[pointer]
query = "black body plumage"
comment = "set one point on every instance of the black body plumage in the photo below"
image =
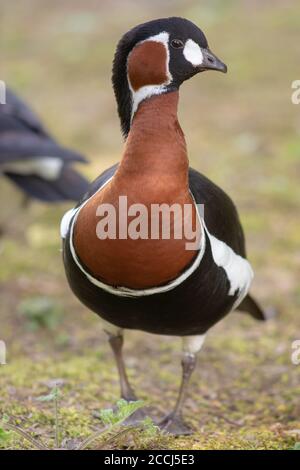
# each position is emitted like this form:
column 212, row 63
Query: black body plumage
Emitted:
column 190, row 308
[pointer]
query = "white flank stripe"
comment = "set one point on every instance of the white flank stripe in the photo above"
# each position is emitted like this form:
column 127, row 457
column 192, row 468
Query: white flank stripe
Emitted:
column 238, row 269
column 65, row 222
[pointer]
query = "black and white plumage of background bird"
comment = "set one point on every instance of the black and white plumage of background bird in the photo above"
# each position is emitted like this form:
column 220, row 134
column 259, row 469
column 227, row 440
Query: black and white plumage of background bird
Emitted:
column 33, row 160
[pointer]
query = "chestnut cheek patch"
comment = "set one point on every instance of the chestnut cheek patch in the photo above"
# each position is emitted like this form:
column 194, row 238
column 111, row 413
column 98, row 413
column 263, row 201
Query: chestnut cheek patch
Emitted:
column 147, row 65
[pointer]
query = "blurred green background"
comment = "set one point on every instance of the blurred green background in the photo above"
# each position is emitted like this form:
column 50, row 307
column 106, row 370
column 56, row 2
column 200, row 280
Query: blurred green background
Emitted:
column 243, row 132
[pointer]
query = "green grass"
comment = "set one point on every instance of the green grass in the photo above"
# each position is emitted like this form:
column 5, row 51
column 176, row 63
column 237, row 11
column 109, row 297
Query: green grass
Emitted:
column 243, row 132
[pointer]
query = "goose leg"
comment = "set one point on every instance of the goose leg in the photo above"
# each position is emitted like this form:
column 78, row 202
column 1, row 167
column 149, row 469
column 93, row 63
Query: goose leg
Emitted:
column 116, row 343
column 174, row 422
column 127, row 393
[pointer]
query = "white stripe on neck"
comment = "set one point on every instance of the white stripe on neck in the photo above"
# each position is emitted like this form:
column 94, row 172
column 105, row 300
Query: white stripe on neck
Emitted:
column 143, row 93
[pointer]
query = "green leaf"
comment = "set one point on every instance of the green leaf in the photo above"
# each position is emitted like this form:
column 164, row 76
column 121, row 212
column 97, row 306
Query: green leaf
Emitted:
column 107, row 416
column 297, row 446
column 112, row 417
column 149, row 427
column 4, row 435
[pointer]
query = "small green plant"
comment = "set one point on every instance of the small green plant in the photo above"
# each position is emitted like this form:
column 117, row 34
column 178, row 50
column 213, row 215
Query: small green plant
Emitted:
column 151, row 437
column 54, row 396
column 297, row 446
column 40, row 312
column 124, row 409
column 4, row 435
column 112, row 420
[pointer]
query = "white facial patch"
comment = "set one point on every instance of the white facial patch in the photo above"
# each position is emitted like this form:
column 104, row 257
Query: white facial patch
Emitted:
column 192, row 52
column 149, row 90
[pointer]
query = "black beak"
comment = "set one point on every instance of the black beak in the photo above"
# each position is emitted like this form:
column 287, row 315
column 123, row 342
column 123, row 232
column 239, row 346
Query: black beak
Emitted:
column 211, row 62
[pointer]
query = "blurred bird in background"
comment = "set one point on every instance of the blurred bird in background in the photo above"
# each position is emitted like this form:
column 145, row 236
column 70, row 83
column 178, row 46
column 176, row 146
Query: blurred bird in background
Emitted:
column 32, row 159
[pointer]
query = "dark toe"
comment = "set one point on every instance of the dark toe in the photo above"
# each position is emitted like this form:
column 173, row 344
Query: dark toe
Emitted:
column 175, row 425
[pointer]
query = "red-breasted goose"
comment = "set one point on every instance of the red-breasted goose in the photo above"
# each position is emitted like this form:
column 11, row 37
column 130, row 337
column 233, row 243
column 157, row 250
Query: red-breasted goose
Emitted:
column 32, row 159
column 156, row 284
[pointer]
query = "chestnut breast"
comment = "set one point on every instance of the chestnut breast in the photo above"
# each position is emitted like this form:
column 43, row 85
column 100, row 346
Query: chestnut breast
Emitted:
column 153, row 170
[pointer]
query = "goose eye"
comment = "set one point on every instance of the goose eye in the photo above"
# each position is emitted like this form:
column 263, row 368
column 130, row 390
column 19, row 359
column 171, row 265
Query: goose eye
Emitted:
column 177, row 44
